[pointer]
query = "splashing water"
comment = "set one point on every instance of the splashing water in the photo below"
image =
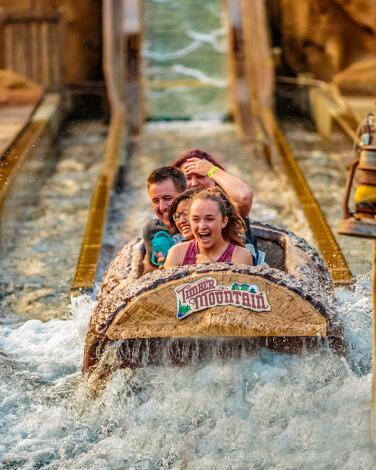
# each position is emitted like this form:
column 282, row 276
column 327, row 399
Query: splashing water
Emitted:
column 185, row 62
column 267, row 411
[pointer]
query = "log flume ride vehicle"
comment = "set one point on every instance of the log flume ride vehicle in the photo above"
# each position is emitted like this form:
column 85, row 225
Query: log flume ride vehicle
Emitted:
column 213, row 310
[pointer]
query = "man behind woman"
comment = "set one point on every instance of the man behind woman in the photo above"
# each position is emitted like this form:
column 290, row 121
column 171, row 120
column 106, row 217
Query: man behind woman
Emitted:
column 164, row 185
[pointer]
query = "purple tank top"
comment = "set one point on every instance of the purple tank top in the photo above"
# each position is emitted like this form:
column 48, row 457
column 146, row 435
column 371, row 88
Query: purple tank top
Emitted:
column 192, row 252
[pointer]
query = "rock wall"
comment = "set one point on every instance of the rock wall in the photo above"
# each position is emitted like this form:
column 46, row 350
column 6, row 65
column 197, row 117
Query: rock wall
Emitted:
column 327, row 37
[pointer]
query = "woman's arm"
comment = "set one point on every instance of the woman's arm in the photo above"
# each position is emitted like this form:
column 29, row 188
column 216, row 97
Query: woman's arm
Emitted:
column 242, row 256
column 236, row 189
column 175, row 256
column 147, row 266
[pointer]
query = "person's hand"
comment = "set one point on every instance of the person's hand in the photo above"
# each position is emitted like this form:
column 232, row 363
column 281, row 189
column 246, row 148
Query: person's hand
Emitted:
column 147, row 266
column 202, row 259
column 160, row 257
column 197, row 166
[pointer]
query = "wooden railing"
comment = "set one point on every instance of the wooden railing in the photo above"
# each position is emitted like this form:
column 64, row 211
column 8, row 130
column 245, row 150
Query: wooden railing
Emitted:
column 133, row 85
column 31, row 44
column 251, row 69
column 116, row 59
column 253, row 92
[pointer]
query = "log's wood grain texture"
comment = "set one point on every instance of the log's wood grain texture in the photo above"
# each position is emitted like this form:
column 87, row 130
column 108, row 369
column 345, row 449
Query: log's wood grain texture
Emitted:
column 302, row 271
column 153, row 314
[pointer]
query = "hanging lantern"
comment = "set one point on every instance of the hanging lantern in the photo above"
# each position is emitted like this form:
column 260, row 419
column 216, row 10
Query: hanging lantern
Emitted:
column 361, row 222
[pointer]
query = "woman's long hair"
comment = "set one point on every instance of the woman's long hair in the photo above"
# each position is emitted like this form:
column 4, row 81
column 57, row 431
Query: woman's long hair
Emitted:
column 234, row 231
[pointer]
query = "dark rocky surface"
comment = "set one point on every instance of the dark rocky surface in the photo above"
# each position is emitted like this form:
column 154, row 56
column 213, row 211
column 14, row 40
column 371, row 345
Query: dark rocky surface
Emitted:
column 327, row 37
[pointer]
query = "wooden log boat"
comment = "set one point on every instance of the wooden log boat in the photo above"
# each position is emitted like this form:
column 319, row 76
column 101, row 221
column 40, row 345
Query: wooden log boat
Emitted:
column 215, row 309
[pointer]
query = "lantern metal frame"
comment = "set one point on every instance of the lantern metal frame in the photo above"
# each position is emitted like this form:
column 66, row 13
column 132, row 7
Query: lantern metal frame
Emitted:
column 360, row 222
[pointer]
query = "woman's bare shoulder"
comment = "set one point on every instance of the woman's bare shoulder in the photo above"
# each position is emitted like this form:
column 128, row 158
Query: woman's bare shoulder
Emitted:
column 242, row 256
column 180, row 247
column 176, row 255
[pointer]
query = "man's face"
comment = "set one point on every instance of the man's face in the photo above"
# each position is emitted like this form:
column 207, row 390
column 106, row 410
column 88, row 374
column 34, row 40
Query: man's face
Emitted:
column 161, row 196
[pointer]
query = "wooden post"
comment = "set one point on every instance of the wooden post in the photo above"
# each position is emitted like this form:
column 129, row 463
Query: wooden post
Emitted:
column 133, row 73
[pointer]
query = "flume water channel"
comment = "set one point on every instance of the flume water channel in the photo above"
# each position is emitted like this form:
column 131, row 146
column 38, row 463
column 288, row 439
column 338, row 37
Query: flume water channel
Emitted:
column 268, row 411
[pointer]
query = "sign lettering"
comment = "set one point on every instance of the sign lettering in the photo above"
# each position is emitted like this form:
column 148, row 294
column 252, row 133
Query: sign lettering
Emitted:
column 205, row 293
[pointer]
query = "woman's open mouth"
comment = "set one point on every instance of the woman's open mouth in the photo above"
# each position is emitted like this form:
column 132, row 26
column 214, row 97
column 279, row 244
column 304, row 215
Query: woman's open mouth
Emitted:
column 204, row 236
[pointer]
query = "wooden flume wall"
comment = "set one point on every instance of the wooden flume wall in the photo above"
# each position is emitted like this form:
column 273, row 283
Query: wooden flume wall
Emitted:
column 251, row 68
column 253, row 91
column 31, row 44
column 114, row 64
column 80, row 47
column 121, row 53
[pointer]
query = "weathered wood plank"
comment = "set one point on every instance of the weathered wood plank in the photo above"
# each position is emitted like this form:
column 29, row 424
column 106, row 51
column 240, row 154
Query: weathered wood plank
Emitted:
column 18, row 100
column 153, row 314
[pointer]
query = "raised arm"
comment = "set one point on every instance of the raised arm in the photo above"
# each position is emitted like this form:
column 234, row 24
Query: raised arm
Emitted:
column 236, row 189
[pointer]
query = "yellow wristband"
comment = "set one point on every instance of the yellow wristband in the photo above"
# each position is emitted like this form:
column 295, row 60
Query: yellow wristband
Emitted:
column 212, row 170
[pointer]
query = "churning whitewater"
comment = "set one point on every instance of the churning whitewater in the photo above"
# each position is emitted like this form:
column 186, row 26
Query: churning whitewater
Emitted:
column 268, row 411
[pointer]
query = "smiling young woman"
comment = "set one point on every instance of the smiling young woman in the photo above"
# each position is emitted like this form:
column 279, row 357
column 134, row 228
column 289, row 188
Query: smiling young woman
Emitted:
column 218, row 232
column 179, row 215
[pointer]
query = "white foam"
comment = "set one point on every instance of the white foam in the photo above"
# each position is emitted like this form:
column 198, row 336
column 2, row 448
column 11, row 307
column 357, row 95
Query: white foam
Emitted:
column 49, row 348
column 268, row 411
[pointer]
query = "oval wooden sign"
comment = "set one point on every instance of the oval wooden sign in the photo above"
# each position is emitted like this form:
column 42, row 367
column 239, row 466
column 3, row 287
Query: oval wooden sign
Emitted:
column 221, row 304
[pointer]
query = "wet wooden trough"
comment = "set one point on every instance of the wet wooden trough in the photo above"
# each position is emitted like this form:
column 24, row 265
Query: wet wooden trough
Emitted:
column 213, row 309
column 19, row 98
column 30, row 120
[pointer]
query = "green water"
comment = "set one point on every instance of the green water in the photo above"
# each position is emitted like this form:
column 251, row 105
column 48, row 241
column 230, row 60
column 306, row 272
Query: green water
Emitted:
column 185, row 64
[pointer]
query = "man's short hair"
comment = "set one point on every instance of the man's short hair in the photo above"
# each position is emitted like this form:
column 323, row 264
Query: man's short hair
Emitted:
column 168, row 172
column 195, row 153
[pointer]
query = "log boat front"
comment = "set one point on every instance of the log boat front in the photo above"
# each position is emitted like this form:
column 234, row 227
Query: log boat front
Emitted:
column 213, row 309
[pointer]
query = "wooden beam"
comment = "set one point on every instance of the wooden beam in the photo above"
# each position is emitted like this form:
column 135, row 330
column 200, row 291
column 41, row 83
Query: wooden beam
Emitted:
column 114, row 69
column 321, row 231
